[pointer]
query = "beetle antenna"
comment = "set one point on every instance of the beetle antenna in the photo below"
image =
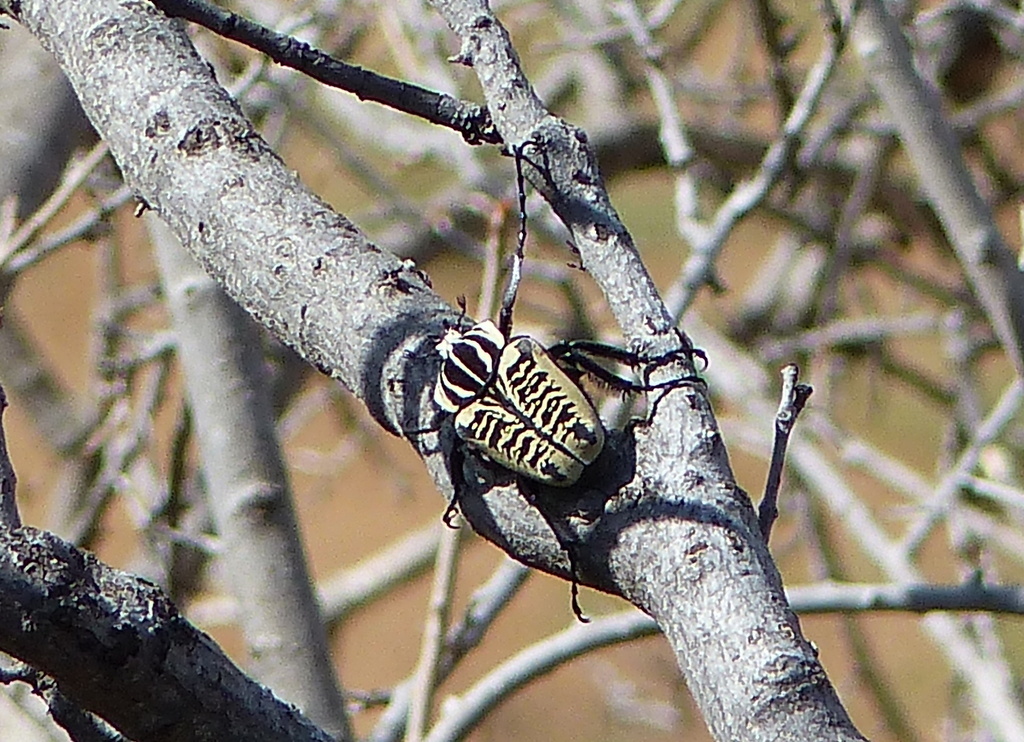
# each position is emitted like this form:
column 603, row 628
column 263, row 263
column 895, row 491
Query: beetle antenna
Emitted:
column 515, row 273
column 520, row 153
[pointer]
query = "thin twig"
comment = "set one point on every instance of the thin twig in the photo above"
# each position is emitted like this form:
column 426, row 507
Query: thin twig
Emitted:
column 824, row 544
column 80, row 725
column 707, row 240
column 944, row 495
column 434, row 628
column 349, row 589
column 779, row 44
column 486, row 305
column 794, row 397
column 378, row 574
column 85, row 226
column 9, row 517
column 73, row 178
column 485, row 605
column 675, row 140
column 463, row 713
column 473, row 122
column 992, row 694
column 832, row 597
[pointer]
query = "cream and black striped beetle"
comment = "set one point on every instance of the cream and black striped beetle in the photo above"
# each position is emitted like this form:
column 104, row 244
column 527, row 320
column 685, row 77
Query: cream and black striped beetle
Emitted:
column 521, row 406
column 515, row 401
column 514, row 404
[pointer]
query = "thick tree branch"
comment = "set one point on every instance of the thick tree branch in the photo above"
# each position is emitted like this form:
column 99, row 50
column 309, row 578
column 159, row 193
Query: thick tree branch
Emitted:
column 682, row 512
column 119, row 648
column 681, row 541
column 249, row 494
column 560, row 163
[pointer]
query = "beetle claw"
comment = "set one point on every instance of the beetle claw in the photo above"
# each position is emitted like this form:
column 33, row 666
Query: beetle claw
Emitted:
column 450, row 512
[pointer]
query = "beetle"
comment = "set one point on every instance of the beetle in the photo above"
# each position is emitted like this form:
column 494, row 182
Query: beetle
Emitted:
column 516, row 403
column 520, row 405
column 513, row 403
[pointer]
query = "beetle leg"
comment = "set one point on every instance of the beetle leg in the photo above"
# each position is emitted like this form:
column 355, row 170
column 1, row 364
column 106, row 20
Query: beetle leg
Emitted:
column 456, row 459
column 588, row 365
column 574, row 591
column 671, row 357
column 574, row 348
column 422, row 431
column 566, row 540
column 578, row 348
column 451, row 511
column 580, row 354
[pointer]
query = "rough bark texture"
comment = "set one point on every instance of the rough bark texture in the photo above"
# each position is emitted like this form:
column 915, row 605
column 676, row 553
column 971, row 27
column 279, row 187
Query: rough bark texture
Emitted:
column 122, row 650
column 248, row 491
column 679, row 539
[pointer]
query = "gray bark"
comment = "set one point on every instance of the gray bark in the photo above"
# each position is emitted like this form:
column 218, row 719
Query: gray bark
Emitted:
column 679, row 539
column 262, row 560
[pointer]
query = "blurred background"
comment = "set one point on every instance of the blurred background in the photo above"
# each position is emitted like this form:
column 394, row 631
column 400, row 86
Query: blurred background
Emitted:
column 909, row 459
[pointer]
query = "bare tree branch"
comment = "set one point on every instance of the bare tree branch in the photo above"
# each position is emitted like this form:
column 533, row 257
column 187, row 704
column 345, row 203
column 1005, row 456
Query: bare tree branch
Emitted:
column 468, row 119
column 987, row 262
column 682, row 543
column 144, row 668
column 791, row 404
column 659, row 518
column 249, row 494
